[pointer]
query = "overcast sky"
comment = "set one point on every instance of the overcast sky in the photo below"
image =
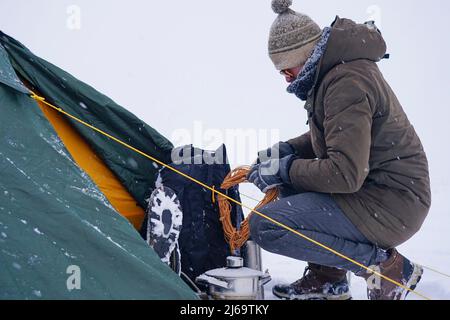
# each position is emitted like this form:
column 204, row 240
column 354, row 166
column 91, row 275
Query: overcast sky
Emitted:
column 180, row 64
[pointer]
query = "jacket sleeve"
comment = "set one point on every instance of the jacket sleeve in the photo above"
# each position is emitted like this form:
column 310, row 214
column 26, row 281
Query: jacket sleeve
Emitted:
column 347, row 132
column 303, row 147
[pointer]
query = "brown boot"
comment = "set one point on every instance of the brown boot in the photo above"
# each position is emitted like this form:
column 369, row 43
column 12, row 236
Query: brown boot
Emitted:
column 397, row 268
column 318, row 283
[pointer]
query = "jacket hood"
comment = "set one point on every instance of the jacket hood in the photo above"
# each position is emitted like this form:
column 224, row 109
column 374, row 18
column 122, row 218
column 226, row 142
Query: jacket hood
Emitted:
column 351, row 41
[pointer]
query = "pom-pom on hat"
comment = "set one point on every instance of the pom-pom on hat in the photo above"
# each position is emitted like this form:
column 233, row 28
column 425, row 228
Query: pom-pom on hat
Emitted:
column 292, row 37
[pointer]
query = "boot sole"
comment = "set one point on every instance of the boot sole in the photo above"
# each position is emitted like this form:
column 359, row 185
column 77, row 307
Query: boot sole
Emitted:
column 310, row 297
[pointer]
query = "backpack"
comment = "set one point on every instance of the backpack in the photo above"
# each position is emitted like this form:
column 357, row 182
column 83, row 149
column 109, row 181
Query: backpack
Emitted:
column 195, row 240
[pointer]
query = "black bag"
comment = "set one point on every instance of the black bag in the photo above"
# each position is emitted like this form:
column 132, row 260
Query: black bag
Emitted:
column 201, row 241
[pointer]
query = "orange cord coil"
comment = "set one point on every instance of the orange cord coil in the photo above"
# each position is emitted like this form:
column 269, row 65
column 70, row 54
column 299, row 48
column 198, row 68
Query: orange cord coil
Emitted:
column 237, row 238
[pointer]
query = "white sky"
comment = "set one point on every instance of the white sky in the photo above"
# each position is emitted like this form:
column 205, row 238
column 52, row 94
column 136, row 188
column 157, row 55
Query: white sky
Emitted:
column 176, row 62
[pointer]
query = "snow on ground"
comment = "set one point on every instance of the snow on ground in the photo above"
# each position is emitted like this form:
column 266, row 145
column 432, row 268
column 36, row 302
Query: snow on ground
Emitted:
column 429, row 248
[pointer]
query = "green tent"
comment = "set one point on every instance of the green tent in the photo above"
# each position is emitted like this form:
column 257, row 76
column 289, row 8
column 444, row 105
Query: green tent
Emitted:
column 54, row 219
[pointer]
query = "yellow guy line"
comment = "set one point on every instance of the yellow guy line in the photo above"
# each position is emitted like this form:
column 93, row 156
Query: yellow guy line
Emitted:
column 42, row 99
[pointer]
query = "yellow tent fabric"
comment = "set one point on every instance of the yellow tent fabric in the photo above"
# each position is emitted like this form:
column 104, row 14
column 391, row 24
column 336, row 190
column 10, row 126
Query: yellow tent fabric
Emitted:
column 102, row 176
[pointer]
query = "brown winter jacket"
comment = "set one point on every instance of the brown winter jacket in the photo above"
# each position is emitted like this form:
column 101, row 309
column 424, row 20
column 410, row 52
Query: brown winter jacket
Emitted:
column 361, row 147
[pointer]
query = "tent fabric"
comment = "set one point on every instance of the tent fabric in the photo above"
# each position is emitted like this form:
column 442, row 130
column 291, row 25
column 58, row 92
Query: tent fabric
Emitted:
column 102, row 176
column 60, row 88
column 7, row 74
column 52, row 215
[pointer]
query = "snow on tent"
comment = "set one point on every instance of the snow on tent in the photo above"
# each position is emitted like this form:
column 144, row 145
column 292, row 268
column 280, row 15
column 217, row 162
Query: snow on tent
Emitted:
column 68, row 195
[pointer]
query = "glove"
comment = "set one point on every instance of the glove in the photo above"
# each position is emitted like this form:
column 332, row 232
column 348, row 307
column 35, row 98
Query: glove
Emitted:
column 272, row 173
column 277, row 151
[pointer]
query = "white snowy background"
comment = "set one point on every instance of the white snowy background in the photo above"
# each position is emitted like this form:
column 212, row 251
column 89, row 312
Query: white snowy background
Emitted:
column 199, row 70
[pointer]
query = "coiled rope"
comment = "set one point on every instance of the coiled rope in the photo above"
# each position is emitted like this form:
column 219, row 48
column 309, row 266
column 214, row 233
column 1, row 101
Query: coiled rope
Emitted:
column 237, row 238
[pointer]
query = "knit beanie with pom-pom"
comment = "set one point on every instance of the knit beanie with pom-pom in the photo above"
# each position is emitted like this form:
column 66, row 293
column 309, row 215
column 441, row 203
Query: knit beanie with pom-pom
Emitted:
column 292, row 37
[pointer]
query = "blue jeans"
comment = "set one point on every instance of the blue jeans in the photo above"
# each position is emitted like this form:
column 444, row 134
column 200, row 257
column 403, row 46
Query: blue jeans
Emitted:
column 317, row 216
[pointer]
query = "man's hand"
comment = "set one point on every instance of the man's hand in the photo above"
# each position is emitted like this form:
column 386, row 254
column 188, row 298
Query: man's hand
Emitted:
column 272, row 173
column 278, row 151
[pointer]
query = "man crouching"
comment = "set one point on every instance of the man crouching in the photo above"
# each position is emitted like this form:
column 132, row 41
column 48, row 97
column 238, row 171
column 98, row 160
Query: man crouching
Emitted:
column 358, row 180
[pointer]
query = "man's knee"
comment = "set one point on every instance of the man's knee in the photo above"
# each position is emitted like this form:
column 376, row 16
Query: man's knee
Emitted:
column 261, row 229
column 257, row 221
column 254, row 224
